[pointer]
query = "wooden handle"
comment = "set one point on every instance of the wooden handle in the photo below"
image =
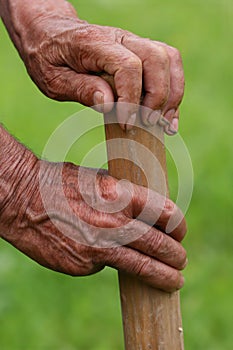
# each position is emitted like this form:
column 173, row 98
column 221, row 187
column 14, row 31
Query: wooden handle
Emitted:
column 151, row 318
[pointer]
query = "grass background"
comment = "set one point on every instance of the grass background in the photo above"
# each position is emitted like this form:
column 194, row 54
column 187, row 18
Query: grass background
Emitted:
column 42, row 310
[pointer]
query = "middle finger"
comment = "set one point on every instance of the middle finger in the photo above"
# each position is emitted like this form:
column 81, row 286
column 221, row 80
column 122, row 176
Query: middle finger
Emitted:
column 156, row 74
column 158, row 245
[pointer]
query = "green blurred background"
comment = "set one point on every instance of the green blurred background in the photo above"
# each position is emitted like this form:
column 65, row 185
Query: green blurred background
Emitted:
column 43, row 310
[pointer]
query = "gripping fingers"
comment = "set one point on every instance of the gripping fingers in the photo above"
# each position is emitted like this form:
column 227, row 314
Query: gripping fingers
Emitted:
column 126, row 68
column 162, row 247
column 172, row 221
column 64, row 84
column 163, row 79
column 156, row 74
column 150, row 271
column 154, row 209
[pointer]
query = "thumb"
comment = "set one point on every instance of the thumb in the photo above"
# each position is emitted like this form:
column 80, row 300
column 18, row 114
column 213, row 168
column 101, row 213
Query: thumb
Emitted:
column 87, row 89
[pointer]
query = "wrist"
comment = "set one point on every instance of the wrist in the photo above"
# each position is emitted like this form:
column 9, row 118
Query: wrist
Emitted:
column 24, row 19
column 18, row 169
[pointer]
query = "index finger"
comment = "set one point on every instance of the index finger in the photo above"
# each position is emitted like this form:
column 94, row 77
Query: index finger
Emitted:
column 156, row 74
column 154, row 209
column 126, row 69
column 149, row 270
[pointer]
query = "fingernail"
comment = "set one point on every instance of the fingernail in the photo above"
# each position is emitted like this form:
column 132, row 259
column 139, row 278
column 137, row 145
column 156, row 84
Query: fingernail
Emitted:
column 181, row 282
column 154, row 117
column 98, row 98
column 175, row 124
column 172, row 129
column 131, row 121
column 163, row 121
column 170, row 114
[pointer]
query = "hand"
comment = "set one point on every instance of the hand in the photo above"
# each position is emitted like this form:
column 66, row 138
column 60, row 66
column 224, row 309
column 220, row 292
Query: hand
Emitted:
column 66, row 57
column 59, row 217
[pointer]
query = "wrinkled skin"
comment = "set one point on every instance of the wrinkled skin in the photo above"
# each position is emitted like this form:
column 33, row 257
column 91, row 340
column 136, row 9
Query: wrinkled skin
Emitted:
column 54, row 239
column 63, row 56
column 61, row 65
column 66, row 57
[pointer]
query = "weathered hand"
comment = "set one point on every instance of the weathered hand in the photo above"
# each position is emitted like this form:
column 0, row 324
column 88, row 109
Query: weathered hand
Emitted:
column 57, row 215
column 64, row 57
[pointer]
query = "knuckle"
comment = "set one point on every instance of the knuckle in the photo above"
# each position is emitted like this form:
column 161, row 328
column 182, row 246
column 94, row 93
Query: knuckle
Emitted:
column 167, row 211
column 175, row 54
column 171, row 279
column 51, row 90
column 100, row 255
column 174, row 218
column 169, row 207
column 48, row 80
column 155, row 243
column 132, row 62
column 110, row 257
column 42, row 63
column 83, row 91
column 182, row 258
column 174, row 279
column 57, row 85
column 160, row 54
column 107, row 187
column 143, row 268
column 162, row 94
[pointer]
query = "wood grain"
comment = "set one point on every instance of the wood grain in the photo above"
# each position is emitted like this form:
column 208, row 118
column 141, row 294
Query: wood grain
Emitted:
column 151, row 318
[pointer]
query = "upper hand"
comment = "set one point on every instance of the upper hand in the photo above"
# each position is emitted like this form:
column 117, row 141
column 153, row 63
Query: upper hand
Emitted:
column 65, row 56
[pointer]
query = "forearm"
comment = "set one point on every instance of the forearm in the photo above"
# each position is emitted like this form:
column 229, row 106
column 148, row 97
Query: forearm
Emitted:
column 20, row 17
column 17, row 166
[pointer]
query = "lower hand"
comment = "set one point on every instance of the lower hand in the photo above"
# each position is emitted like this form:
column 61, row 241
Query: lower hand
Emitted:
column 69, row 238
